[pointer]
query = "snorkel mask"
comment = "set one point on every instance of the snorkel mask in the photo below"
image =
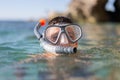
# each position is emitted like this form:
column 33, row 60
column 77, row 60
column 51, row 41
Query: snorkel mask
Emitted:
column 53, row 34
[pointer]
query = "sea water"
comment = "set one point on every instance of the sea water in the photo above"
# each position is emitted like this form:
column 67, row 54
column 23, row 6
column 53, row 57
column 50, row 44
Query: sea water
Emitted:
column 97, row 58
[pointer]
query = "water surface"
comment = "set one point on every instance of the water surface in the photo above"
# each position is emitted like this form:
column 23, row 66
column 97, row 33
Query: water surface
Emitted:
column 97, row 59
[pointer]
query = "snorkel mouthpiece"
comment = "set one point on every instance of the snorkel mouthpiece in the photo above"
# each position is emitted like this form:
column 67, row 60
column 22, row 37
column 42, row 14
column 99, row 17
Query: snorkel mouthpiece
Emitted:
column 67, row 50
column 57, row 49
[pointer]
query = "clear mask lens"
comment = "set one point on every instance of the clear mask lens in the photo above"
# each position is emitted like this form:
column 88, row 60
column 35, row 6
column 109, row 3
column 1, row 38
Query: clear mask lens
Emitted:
column 73, row 32
column 52, row 34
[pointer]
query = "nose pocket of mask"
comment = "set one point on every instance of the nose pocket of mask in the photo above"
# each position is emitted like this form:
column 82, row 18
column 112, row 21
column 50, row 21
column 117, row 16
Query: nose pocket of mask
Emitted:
column 63, row 39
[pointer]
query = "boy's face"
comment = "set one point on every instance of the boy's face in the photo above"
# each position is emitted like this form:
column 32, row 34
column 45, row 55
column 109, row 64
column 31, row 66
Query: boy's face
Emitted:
column 63, row 40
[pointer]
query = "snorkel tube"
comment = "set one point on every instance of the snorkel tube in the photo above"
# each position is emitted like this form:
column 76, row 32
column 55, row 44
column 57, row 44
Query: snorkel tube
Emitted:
column 51, row 48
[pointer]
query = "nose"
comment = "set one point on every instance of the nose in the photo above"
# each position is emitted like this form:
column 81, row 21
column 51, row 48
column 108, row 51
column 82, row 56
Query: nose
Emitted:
column 63, row 39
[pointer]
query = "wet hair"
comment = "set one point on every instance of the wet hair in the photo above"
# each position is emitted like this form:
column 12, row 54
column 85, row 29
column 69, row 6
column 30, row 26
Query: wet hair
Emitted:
column 59, row 19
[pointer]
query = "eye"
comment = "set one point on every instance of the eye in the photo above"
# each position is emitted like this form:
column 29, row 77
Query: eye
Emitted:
column 54, row 37
column 71, row 35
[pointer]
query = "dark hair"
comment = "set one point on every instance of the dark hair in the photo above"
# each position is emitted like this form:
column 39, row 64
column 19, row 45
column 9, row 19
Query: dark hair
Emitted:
column 59, row 19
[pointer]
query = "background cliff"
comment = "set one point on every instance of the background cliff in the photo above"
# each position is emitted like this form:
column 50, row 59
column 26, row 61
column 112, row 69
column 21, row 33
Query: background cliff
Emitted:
column 91, row 11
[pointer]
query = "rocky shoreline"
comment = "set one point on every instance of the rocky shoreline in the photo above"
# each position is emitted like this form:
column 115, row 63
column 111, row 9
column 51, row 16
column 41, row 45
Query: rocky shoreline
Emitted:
column 90, row 11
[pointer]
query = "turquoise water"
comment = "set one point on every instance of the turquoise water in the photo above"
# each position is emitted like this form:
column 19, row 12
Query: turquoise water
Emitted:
column 98, row 57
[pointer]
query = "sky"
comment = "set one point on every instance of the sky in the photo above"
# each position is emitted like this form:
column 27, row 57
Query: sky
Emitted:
column 110, row 6
column 30, row 9
column 35, row 9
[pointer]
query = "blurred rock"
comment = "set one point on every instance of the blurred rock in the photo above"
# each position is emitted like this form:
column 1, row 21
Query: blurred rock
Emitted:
column 90, row 11
column 81, row 10
column 116, row 14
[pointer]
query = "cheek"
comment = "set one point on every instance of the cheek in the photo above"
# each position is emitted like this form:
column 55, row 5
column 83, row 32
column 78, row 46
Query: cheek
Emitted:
column 74, row 44
column 69, row 44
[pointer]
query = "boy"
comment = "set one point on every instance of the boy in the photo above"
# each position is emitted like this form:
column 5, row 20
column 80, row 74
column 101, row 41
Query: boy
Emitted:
column 60, row 37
